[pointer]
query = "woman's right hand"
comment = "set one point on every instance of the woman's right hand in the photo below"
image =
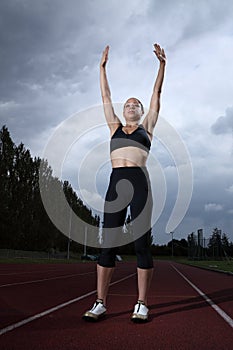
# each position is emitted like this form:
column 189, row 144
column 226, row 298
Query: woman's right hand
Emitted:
column 159, row 52
column 104, row 58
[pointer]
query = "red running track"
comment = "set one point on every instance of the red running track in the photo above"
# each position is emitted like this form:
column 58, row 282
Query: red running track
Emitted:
column 51, row 299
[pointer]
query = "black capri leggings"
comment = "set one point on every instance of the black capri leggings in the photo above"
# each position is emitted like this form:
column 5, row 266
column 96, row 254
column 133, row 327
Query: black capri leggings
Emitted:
column 129, row 186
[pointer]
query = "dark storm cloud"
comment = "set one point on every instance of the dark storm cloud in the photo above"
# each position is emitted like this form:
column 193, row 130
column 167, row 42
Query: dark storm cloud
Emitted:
column 189, row 20
column 204, row 16
column 45, row 57
column 224, row 124
column 39, row 41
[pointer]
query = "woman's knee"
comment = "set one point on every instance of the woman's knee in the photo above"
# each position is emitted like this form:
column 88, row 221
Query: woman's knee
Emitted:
column 144, row 258
column 107, row 257
column 143, row 252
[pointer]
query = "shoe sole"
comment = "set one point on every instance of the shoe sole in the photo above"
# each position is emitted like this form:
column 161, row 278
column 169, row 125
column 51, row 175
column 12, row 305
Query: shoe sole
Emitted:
column 92, row 318
column 139, row 319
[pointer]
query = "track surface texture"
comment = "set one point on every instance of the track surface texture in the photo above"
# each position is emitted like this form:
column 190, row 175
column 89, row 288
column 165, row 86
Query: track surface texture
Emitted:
column 41, row 308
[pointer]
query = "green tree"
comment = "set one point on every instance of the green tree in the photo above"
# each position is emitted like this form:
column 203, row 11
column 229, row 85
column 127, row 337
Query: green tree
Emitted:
column 215, row 244
column 7, row 160
column 192, row 245
column 225, row 243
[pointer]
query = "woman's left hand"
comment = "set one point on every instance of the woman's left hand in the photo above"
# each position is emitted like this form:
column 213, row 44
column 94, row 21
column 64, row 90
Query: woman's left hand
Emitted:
column 159, row 52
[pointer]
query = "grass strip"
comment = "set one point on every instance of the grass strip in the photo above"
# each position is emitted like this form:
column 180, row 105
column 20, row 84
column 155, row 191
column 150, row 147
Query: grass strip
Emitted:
column 215, row 265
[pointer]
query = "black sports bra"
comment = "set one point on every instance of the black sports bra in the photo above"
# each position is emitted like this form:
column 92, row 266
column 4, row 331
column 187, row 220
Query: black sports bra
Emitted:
column 138, row 138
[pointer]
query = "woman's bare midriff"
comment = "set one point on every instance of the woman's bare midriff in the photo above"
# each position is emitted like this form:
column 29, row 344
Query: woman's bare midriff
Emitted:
column 128, row 157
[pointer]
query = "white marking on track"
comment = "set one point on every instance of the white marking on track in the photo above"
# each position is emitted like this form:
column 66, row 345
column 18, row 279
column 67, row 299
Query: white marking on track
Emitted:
column 53, row 309
column 30, row 272
column 45, row 279
column 222, row 313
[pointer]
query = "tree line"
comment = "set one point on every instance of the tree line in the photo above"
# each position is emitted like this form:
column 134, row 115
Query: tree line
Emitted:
column 24, row 223
column 216, row 247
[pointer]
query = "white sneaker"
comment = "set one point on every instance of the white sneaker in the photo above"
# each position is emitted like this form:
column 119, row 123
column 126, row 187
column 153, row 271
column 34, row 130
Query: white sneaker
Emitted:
column 96, row 312
column 140, row 314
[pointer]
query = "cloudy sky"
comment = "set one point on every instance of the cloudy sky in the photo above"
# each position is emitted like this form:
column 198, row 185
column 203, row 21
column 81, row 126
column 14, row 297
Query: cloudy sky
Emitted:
column 49, row 61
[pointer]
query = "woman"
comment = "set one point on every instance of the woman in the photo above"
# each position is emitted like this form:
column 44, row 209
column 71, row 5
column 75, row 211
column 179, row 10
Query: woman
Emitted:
column 130, row 145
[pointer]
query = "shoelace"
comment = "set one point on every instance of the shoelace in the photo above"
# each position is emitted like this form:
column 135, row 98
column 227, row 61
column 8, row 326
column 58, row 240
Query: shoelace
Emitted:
column 98, row 301
column 140, row 302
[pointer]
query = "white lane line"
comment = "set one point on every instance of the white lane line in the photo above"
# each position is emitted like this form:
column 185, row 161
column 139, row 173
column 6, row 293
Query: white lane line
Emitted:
column 53, row 309
column 222, row 313
column 30, row 272
column 45, row 279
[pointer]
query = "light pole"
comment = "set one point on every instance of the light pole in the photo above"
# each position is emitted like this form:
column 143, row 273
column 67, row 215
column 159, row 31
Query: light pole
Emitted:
column 172, row 244
column 85, row 242
column 69, row 239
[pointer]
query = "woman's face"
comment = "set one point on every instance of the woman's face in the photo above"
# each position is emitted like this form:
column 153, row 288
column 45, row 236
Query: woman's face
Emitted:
column 132, row 110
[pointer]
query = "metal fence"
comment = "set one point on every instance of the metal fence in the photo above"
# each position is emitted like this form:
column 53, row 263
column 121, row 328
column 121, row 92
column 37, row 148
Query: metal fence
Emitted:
column 205, row 249
column 23, row 254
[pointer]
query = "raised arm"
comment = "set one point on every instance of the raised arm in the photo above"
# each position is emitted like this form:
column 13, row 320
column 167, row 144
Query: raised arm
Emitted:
column 112, row 120
column 152, row 116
